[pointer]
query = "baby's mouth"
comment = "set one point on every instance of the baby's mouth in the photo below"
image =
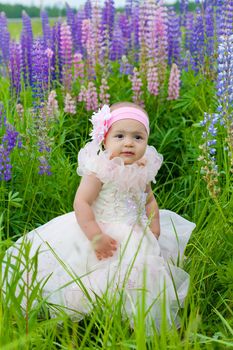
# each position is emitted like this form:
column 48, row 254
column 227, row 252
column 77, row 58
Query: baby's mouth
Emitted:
column 127, row 153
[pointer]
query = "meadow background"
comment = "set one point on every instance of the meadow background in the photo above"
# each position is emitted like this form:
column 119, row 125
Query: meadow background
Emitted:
column 177, row 62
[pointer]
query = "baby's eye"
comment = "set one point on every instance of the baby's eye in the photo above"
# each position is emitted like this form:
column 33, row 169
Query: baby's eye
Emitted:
column 119, row 136
column 138, row 137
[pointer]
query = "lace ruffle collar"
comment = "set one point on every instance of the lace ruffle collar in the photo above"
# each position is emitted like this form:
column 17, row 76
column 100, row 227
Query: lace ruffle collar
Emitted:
column 93, row 160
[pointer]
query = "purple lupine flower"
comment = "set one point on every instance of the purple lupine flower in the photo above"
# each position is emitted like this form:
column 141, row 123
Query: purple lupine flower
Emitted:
column 88, row 9
column 71, row 21
column 15, row 68
column 137, row 87
column 56, row 62
column 8, row 143
column 183, row 12
column 70, row 105
column 152, row 79
column 125, row 67
column 88, row 45
column 66, row 56
column 125, row 26
column 209, row 33
column 198, row 41
column 209, row 168
column 80, row 16
column 174, row 38
column 4, row 40
column 129, row 8
column 105, row 50
column 104, row 96
column 223, row 116
column 135, row 31
column 108, row 17
column 47, row 33
column 44, row 141
column 189, row 31
column 174, row 83
column 39, row 73
column 225, row 90
column 44, row 167
column 26, row 47
column 117, row 46
column 225, row 17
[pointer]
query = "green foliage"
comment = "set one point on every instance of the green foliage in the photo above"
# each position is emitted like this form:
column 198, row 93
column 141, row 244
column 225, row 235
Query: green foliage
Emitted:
column 15, row 11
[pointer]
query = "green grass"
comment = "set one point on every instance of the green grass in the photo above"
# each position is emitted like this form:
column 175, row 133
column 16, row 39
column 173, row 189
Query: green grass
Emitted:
column 15, row 27
column 29, row 200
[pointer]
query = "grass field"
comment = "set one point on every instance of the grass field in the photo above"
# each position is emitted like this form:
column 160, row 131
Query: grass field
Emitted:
column 15, row 27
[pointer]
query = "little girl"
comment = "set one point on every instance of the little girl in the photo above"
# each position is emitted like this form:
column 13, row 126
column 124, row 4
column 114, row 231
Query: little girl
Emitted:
column 116, row 241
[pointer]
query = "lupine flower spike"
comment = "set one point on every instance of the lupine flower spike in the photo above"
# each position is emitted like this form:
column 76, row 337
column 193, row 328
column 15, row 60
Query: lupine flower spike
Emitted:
column 174, row 83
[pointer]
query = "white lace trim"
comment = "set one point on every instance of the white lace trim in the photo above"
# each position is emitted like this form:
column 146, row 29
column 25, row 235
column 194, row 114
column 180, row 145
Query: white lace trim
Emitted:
column 93, row 160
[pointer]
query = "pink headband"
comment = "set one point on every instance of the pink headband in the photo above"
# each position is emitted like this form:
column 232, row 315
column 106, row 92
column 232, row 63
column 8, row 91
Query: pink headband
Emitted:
column 129, row 113
column 104, row 118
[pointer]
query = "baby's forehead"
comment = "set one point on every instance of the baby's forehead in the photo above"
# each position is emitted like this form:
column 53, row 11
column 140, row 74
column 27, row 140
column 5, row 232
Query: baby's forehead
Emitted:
column 128, row 125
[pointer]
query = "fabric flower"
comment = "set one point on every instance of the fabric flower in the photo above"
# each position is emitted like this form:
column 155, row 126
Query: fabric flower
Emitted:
column 100, row 124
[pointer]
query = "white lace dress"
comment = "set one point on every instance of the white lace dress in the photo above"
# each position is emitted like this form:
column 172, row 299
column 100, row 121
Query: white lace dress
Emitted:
column 73, row 277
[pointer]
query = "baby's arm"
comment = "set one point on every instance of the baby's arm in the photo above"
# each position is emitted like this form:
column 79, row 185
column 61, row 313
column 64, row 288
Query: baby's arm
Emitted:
column 86, row 194
column 152, row 211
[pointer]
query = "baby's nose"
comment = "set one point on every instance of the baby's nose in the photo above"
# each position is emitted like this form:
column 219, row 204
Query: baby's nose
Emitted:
column 128, row 141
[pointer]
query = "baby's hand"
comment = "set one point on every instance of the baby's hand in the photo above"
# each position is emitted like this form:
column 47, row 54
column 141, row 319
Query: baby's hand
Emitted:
column 141, row 162
column 104, row 246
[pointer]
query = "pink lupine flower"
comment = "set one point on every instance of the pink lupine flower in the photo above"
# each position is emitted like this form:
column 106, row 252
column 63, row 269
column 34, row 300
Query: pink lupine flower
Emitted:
column 174, row 83
column 70, row 106
column 19, row 109
column 161, row 42
column 82, row 94
column 153, row 36
column 91, row 97
column 152, row 80
column 52, row 105
column 137, row 87
column 88, row 45
column 78, row 66
column 49, row 53
column 66, row 56
column 96, row 24
column 104, row 95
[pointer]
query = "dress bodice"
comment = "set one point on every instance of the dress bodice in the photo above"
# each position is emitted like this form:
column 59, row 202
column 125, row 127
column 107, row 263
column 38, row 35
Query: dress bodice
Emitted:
column 123, row 194
column 113, row 205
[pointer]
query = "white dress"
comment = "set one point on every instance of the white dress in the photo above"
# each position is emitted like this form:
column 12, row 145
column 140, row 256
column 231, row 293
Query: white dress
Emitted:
column 71, row 275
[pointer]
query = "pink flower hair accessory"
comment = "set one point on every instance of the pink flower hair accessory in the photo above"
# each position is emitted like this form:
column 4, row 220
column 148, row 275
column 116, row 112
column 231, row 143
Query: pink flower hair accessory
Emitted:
column 100, row 122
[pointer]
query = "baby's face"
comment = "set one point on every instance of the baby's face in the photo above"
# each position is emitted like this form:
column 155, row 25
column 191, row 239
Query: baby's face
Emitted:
column 127, row 139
